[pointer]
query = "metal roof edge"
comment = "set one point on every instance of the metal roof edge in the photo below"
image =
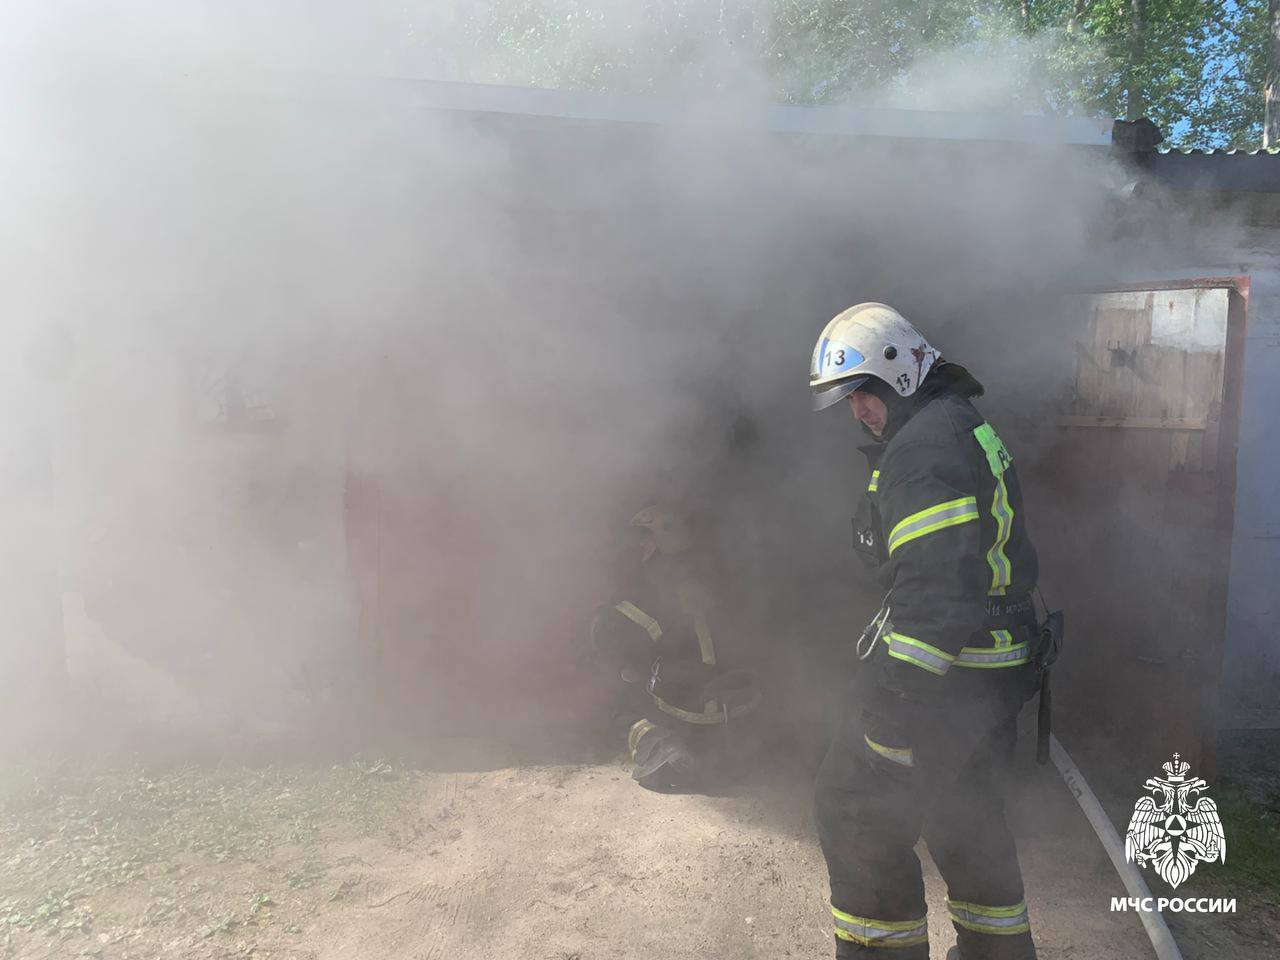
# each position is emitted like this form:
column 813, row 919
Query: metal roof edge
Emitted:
column 498, row 99
column 850, row 121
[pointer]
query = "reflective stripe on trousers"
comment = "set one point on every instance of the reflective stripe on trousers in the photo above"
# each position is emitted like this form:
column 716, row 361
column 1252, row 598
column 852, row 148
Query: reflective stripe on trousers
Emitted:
column 880, row 933
column 636, row 734
column 998, row 921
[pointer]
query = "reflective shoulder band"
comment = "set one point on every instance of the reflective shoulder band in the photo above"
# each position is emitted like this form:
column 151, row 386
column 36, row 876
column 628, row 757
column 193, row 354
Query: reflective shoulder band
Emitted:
column 880, row 933
column 918, row 652
column 638, row 616
column 874, row 485
column 992, row 920
column 932, row 519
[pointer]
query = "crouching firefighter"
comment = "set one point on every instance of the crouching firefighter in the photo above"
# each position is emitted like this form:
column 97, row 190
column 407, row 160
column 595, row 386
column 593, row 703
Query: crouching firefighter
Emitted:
column 682, row 709
column 946, row 664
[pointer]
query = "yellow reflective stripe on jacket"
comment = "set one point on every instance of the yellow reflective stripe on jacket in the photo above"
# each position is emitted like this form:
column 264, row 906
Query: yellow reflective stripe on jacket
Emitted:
column 712, row 712
column 915, row 651
column 705, row 644
column 874, row 485
column 880, row 933
column 988, row 657
column 998, row 459
column 997, row 559
column 693, row 602
column 899, row 755
column 993, row 920
column 1004, row 653
column 933, row 519
column 638, row 616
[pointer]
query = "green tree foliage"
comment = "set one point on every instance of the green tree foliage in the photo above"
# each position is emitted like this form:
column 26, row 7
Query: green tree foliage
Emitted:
column 1195, row 67
column 1198, row 72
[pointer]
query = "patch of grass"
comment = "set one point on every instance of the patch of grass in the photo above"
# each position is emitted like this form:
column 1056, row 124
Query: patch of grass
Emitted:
column 71, row 832
column 1253, row 839
column 224, row 813
column 306, row 876
column 51, row 911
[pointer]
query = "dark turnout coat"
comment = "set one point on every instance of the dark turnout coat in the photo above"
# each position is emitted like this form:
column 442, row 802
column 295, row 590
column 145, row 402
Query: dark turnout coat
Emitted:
column 944, row 523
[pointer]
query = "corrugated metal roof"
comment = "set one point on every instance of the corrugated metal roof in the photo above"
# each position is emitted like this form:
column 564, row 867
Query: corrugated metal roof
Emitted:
column 1196, row 152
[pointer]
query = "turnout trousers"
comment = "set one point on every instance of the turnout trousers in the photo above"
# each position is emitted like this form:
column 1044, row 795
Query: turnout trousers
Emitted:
column 881, row 787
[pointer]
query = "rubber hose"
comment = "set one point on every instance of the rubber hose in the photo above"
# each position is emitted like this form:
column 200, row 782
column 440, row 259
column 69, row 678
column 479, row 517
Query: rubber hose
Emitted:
column 1157, row 931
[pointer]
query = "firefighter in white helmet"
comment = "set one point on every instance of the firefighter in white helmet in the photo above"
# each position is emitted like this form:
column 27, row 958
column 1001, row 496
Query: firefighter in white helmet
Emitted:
column 945, row 665
column 661, row 632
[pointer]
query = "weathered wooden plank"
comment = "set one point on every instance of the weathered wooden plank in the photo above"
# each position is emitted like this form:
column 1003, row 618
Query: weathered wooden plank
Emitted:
column 1140, row 423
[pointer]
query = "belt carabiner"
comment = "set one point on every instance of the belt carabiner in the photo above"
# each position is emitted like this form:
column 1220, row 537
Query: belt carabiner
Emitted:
column 877, row 623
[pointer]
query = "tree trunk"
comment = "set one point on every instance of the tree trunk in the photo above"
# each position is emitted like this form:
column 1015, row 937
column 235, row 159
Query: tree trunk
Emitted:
column 1026, row 16
column 1271, row 85
column 1078, row 8
column 924, row 21
column 1135, row 101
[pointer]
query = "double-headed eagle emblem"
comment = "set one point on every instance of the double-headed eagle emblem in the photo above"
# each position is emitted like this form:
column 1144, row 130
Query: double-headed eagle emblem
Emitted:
column 1170, row 832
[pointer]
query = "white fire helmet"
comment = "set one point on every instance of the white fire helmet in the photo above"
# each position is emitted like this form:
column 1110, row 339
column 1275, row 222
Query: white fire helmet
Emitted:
column 868, row 340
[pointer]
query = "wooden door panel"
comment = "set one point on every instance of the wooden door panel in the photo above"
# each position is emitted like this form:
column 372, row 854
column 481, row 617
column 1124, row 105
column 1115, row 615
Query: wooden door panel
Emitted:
column 1134, row 484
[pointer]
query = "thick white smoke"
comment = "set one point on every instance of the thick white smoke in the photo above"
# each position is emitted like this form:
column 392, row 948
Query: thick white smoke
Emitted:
column 281, row 298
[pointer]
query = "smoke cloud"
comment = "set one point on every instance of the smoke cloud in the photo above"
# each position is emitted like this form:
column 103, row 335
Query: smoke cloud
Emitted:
column 309, row 383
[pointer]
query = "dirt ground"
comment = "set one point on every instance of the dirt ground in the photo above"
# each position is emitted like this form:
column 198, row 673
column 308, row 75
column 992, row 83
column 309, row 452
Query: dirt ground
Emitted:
column 496, row 859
